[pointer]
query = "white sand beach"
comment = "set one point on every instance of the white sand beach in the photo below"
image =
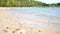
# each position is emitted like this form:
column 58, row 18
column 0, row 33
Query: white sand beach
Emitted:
column 10, row 24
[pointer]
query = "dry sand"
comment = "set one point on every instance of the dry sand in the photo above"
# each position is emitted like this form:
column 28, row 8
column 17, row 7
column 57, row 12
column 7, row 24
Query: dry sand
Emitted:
column 9, row 25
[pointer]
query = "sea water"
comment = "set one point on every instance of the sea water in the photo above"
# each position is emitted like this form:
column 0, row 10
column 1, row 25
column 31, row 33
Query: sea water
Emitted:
column 46, row 17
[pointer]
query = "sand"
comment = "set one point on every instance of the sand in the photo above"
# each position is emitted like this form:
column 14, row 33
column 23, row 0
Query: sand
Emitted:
column 11, row 25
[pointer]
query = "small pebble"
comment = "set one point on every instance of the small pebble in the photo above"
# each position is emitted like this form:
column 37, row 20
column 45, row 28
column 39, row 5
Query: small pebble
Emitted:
column 13, row 31
column 7, row 27
column 39, row 31
column 5, row 30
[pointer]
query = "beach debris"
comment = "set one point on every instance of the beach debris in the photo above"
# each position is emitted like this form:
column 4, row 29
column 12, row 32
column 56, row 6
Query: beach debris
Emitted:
column 22, row 31
column 39, row 31
column 5, row 30
column 7, row 27
column 13, row 31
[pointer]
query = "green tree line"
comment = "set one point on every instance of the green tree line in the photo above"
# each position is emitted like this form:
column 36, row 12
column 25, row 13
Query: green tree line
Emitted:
column 26, row 3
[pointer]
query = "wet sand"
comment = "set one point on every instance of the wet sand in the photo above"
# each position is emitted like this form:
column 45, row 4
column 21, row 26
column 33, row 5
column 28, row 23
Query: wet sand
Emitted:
column 14, row 25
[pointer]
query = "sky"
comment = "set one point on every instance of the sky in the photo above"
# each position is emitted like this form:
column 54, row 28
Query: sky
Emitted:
column 49, row 1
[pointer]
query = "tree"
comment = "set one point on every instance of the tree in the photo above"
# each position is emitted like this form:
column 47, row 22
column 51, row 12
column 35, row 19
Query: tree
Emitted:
column 26, row 3
column 58, row 4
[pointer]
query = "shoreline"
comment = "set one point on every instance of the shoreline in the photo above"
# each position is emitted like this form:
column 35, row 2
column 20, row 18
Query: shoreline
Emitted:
column 14, row 23
column 28, row 7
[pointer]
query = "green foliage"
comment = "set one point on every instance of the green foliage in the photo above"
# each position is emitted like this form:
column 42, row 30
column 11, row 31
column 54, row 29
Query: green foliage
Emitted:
column 58, row 4
column 25, row 3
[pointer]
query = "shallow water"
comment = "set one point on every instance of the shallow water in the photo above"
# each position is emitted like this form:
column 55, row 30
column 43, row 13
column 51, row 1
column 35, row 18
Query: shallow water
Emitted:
column 46, row 17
